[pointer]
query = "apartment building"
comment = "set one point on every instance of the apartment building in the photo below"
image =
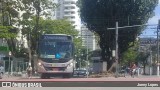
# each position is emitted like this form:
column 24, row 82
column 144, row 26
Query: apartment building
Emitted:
column 68, row 9
column 88, row 38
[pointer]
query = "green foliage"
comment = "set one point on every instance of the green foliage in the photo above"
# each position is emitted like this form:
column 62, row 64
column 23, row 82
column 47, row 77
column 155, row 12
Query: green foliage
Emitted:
column 130, row 55
column 5, row 32
column 4, row 48
column 102, row 14
column 8, row 15
column 20, row 13
column 81, row 55
column 142, row 57
column 58, row 26
column 33, row 11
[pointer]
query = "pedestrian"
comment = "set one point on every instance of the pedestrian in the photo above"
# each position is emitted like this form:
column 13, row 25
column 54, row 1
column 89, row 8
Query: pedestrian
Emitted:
column 29, row 71
column 133, row 69
column 1, row 71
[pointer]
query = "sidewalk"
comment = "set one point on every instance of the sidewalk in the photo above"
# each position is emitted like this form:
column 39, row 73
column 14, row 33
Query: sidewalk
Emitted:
column 148, row 76
column 127, row 78
column 10, row 77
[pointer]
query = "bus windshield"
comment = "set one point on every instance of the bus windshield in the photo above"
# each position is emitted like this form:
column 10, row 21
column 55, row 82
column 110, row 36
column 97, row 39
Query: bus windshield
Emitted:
column 51, row 49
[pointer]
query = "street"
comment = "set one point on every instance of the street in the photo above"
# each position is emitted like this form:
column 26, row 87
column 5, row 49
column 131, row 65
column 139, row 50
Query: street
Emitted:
column 85, row 83
column 127, row 78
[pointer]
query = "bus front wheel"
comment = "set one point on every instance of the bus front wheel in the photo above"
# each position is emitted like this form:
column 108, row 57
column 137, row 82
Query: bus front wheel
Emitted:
column 45, row 76
column 42, row 76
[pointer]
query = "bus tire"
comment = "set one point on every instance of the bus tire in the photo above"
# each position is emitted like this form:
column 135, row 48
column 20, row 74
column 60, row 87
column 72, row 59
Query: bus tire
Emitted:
column 42, row 76
column 48, row 76
column 69, row 75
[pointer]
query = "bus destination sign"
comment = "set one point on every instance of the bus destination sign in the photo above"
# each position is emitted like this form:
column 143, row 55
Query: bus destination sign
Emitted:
column 55, row 37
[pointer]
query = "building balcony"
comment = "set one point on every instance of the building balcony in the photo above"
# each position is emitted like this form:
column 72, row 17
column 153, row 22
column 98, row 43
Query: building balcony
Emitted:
column 69, row 5
column 71, row 16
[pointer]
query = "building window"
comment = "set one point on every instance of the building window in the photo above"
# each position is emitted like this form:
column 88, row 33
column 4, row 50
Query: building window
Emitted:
column 66, row 17
column 73, row 2
column 72, row 12
column 66, row 8
column 72, row 7
column 66, row 2
column 66, row 12
column 72, row 17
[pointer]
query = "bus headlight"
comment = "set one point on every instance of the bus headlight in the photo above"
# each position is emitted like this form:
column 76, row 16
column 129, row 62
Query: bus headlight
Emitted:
column 39, row 63
column 70, row 65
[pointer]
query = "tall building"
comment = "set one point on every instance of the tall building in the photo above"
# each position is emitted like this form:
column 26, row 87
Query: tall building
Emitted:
column 68, row 9
column 88, row 38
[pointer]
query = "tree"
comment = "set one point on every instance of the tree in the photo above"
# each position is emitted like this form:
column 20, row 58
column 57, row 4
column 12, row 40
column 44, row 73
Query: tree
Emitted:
column 81, row 56
column 142, row 58
column 5, row 32
column 57, row 26
column 8, row 16
column 130, row 55
column 99, row 15
column 33, row 10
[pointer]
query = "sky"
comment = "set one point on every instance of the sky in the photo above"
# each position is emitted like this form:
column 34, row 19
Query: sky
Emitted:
column 151, row 30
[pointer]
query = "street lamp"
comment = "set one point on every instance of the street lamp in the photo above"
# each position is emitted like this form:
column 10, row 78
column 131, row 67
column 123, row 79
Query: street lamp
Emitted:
column 81, row 60
column 75, row 63
column 79, row 63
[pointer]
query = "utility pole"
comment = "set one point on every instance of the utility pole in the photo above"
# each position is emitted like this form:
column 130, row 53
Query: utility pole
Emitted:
column 150, row 51
column 29, row 48
column 158, row 48
column 87, row 57
column 116, row 58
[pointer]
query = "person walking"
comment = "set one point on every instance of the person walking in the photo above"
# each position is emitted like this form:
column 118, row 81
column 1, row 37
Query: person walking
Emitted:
column 133, row 69
column 29, row 71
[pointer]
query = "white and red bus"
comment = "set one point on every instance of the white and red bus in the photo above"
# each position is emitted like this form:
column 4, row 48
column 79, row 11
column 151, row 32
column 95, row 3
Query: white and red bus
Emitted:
column 56, row 55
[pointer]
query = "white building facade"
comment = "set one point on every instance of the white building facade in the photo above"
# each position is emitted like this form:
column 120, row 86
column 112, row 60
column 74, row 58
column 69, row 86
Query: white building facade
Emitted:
column 88, row 38
column 68, row 9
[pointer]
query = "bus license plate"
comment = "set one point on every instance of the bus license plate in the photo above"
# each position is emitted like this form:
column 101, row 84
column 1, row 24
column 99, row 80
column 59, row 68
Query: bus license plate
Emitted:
column 53, row 65
column 55, row 69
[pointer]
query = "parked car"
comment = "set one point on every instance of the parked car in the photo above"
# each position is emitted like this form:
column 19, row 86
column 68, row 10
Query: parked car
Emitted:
column 80, row 73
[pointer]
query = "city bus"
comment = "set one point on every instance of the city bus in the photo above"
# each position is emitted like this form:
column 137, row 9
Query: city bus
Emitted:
column 55, row 56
